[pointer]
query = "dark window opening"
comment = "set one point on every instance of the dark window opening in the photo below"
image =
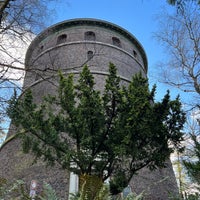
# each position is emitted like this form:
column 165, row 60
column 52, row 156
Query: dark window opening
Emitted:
column 90, row 36
column 61, row 39
column 134, row 53
column 40, row 49
column 116, row 41
column 90, row 55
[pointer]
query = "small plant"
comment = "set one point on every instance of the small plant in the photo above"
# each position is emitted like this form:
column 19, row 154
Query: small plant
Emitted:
column 195, row 196
column 48, row 193
column 17, row 191
column 104, row 194
column 134, row 196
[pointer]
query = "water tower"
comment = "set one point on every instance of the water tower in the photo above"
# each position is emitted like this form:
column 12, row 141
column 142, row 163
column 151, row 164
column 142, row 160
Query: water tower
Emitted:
column 68, row 46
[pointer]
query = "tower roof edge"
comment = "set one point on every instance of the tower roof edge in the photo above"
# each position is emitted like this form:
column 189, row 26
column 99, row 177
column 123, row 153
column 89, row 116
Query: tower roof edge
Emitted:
column 86, row 21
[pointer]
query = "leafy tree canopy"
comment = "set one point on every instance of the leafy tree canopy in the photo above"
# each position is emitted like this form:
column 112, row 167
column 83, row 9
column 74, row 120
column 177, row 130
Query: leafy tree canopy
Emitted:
column 115, row 132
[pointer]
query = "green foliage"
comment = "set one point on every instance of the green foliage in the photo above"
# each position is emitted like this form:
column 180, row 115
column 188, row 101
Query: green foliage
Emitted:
column 48, row 193
column 133, row 196
column 187, row 197
column 193, row 197
column 193, row 165
column 90, row 186
column 120, row 181
column 116, row 131
column 17, row 191
column 104, row 194
column 2, row 184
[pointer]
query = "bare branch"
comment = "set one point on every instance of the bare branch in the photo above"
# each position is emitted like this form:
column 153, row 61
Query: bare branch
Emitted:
column 180, row 35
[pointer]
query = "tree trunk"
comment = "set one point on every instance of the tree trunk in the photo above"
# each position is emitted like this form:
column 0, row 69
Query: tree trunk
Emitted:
column 90, row 185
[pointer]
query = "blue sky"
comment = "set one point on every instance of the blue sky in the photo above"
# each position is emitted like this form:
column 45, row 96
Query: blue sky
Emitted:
column 139, row 17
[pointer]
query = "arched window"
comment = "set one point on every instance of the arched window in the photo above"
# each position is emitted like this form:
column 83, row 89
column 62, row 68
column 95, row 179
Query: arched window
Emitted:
column 61, row 39
column 90, row 36
column 89, row 55
column 134, row 53
column 116, row 41
column 40, row 49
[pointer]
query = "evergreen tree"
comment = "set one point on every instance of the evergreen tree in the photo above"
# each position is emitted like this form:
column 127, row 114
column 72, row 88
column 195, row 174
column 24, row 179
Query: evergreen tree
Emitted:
column 100, row 134
column 193, row 165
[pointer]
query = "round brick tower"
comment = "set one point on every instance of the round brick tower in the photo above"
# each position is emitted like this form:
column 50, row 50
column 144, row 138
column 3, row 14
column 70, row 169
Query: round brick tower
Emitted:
column 68, row 46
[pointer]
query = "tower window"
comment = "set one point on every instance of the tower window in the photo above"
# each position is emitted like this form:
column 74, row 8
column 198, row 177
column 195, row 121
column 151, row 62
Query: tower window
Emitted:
column 134, row 53
column 90, row 36
column 116, row 41
column 61, row 39
column 40, row 49
column 90, row 54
